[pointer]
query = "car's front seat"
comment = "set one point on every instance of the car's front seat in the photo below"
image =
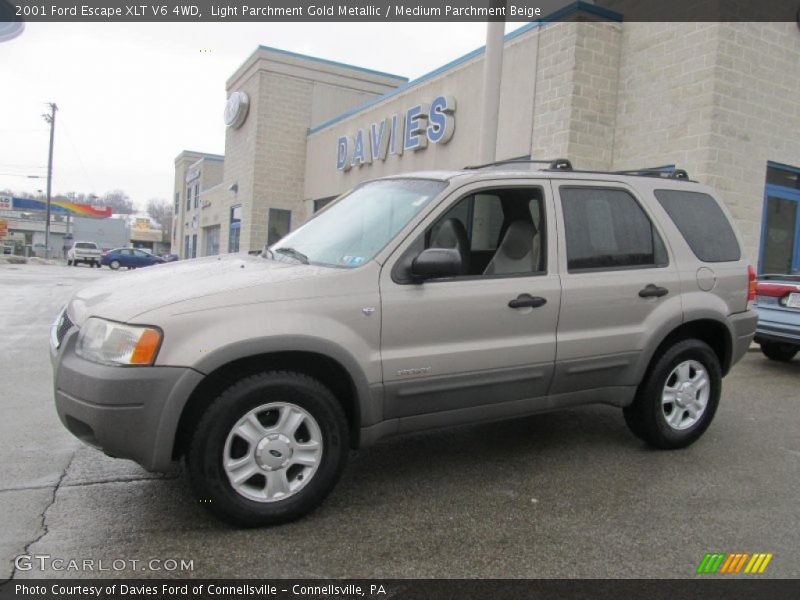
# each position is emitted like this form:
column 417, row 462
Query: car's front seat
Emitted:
column 453, row 234
column 518, row 252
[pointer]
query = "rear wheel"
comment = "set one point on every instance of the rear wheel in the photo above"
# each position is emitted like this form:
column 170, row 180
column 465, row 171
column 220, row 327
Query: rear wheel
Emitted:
column 268, row 450
column 778, row 351
column 676, row 402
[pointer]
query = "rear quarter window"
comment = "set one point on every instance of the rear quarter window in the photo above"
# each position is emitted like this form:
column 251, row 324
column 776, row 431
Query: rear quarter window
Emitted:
column 702, row 223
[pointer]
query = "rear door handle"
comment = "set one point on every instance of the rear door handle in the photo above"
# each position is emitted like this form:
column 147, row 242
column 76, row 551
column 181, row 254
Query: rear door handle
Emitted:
column 653, row 291
column 525, row 300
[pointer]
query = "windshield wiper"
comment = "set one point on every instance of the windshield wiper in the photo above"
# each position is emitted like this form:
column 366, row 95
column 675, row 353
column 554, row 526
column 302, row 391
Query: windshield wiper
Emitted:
column 295, row 254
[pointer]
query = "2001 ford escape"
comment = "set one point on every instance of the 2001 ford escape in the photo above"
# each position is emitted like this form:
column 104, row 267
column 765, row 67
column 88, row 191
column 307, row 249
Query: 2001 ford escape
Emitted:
column 412, row 302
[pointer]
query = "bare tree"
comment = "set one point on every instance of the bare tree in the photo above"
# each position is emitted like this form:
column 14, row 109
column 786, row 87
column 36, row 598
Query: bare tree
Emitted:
column 118, row 201
column 161, row 212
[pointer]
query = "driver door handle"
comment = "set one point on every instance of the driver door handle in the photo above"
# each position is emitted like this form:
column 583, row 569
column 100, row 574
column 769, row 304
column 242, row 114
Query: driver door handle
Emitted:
column 525, row 300
column 653, row 291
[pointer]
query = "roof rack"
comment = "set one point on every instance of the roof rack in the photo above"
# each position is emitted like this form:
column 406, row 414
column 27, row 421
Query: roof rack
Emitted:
column 563, row 164
column 656, row 172
column 553, row 163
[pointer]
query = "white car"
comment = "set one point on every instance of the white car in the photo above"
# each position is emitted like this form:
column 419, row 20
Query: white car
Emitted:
column 84, row 252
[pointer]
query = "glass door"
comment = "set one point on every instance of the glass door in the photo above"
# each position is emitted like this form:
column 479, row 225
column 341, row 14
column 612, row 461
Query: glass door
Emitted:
column 780, row 233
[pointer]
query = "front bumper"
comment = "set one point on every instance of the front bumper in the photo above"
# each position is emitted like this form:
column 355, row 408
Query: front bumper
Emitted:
column 128, row 412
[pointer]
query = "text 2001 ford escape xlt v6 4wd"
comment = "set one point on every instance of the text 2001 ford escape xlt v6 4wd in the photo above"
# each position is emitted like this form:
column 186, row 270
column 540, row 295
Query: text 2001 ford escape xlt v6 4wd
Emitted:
column 412, row 302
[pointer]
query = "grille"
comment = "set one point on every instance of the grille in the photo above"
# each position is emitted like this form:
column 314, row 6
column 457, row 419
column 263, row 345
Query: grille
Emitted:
column 64, row 326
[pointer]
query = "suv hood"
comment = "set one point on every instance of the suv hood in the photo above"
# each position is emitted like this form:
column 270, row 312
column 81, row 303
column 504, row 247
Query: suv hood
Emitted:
column 124, row 296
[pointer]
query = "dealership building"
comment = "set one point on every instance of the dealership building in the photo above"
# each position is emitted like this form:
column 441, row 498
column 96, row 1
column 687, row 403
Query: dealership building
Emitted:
column 720, row 100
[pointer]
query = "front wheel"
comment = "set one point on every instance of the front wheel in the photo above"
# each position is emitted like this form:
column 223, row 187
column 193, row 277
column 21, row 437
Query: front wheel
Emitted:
column 268, row 450
column 778, row 351
column 677, row 399
column 114, row 264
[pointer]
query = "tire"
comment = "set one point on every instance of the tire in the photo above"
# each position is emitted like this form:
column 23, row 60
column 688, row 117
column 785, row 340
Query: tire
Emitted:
column 778, row 351
column 216, row 440
column 74, row 263
column 114, row 264
column 651, row 418
column 69, row 263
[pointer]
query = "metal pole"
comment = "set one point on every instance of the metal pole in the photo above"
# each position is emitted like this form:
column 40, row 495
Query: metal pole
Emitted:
column 492, row 77
column 51, row 118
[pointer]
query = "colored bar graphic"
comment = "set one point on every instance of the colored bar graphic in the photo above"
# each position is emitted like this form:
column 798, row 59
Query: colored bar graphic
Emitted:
column 734, row 563
column 62, row 207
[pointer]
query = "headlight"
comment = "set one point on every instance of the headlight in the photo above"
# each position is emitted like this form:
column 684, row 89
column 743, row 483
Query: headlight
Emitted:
column 112, row 343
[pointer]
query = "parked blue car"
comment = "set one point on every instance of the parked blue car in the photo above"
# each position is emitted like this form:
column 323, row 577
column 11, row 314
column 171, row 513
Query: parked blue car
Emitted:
column 778, row 307
column 130, row 258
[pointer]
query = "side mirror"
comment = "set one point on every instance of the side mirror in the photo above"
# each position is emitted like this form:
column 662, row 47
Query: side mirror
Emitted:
column 436, row 262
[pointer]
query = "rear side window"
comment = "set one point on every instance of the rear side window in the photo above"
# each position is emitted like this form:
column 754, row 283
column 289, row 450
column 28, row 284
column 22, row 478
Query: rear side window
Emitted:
column 607, row 229
column 702, row 223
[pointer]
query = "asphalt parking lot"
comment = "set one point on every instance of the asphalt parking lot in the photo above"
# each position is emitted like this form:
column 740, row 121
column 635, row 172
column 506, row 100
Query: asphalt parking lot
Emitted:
column 568, row 494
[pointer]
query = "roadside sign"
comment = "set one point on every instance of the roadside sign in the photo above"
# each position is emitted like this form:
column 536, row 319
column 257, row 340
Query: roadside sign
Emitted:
column 3, row 228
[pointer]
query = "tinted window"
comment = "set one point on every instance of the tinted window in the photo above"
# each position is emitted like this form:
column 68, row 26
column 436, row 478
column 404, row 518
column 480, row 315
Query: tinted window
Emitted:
column 607, row 229
column 86, row 245
column 702, row 224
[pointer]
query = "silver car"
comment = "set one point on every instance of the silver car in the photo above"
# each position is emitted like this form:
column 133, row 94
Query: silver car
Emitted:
column 412, row 302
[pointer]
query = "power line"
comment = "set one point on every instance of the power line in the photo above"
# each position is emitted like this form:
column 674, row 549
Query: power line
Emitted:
column 77, row 154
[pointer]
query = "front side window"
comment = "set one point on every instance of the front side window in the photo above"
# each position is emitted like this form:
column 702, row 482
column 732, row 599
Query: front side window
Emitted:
column 606, row 229
column 360, row 224
column 497, row 232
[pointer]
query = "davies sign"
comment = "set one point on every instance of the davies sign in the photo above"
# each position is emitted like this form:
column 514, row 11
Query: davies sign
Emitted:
column 408, row 130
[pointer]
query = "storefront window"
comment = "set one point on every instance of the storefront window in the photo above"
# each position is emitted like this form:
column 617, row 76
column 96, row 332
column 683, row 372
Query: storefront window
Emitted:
column 280, row 222
column 212, row 241
column 321, row 203
column 235, row 228
column 780, row 233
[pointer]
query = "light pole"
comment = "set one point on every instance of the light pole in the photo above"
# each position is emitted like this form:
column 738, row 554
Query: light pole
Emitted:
column 51, row 118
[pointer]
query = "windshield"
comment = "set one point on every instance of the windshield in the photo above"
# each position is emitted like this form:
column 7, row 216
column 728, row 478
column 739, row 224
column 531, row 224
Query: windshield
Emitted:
column 354, row 229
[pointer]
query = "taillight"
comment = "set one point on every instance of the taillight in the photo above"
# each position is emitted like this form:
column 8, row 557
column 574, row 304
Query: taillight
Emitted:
column 752, row 284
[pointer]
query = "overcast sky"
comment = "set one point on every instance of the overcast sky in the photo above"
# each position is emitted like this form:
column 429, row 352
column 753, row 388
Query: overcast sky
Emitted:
column 131, row 97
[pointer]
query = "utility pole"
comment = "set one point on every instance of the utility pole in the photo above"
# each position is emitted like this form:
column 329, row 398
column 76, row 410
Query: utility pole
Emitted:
column 51, row 118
